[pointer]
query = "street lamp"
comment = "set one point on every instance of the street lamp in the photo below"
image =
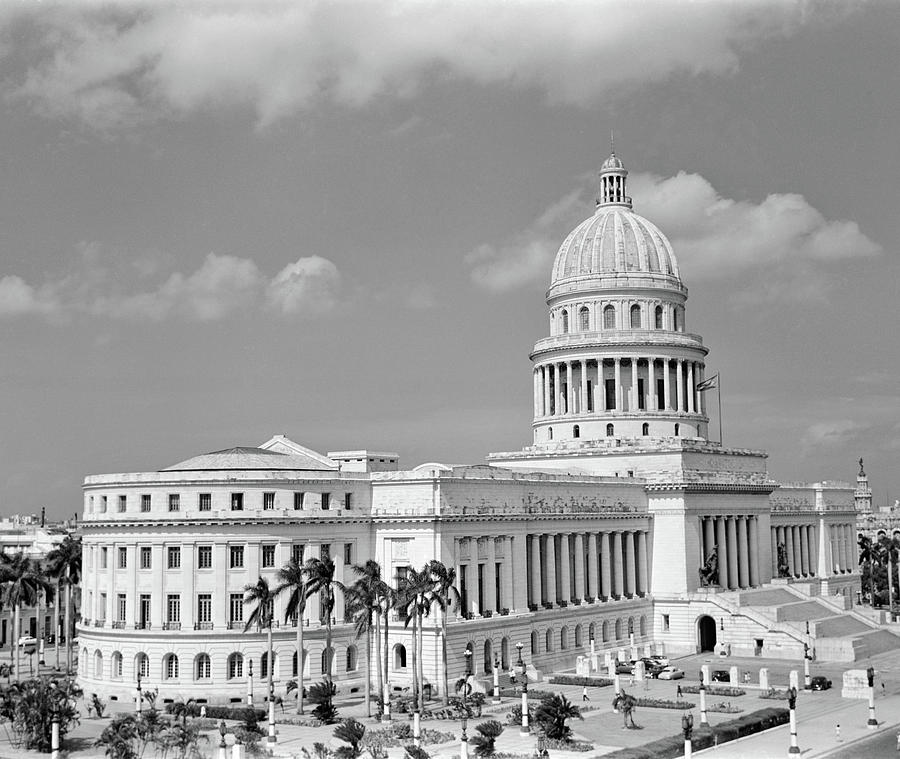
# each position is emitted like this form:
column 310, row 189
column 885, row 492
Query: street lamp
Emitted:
column 807, row 657
column 687, row 727
column 54, row 724
column 250, row 684
column 872, row 722
column 222, row 745
column 496, row 680
column 704, row 720
column 792, row 705
column 140, row 697
column 521, row 673
column 464, row 740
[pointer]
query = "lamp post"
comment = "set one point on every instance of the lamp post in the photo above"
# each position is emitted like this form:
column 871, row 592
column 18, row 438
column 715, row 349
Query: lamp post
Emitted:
column 704, row 720
column 792, row 705
column 521, row 673
column 140, row 697
column 271, row 737
column 223, row 748
column 54, row 724
column 807, row 680
column 687, row 727
column 496, row 680
column 250, row 683
column 464, row 740
column 872, row 723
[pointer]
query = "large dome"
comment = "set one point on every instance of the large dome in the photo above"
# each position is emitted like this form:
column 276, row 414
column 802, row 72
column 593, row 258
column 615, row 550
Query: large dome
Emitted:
column 615, row 240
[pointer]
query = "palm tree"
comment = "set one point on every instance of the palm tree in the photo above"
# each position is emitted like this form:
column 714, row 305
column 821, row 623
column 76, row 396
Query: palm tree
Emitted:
column 24, row 580
column 64, row 564
column 446, row 595
column 414, row 592
column 553, row 713
column 263, row 616
column 364, row 605
column 387, row 600
column 887, row 549
column 320, row 579
column 866, row 555
column 292, row 579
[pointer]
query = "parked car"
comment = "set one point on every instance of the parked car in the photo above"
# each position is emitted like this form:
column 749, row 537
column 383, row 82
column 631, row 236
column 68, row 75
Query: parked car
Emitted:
column 671, row 673
column 624, row 668
column 819, row 683
column 27, row 640
column 660, row 661
column 651, row 668
column 721, row 676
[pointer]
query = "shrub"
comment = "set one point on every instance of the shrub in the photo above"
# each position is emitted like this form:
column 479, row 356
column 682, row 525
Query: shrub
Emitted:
column 590, row 682
column 417, row 752
column 28, row 706
column 775, row 695
column 715, row 690
column 514, row 716
column 323, row 697
column 553, row 714
column 231, row 712
column 488, row 732
column 724, row 707
column 662, row 703
column 351, row 732
column 570, row 745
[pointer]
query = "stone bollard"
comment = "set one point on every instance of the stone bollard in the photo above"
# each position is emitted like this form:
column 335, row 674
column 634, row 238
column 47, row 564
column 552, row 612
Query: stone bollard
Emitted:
column 764, row 678
column 735, row 675
column 794, row 682
column 705, row 672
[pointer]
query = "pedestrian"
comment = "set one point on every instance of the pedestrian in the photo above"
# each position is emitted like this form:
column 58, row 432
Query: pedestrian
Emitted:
column 837, row 732
column 679, row 693
column 883, row 694
column 584, row 695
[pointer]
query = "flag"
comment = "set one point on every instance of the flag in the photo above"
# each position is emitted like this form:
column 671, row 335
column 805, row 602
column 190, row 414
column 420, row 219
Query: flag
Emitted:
column 708, row 384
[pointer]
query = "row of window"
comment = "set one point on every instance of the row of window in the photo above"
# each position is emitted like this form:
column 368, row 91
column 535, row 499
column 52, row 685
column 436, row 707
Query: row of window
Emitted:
column 204, row 554
column 301, row 500
column 635, row 316
column 611, row 430
column 203, row 665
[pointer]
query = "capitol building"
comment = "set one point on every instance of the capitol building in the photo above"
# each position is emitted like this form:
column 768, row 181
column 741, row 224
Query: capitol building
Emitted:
column 620, row 527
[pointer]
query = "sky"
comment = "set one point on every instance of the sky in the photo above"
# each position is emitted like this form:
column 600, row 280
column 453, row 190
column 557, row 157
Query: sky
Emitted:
column 221, row 221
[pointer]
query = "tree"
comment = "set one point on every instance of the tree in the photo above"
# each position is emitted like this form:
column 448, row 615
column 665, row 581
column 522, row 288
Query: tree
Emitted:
column 866, row 557
column 120, row 738
column 23, row 582
column 414, row 593
column 292, row 579
column 352, row 732
column 29, row 707
column 446, row 595
column 364, row 605
column 552, row 715
column 488, row 732
column 262, row 616
column 887, row 550
column 388, row 597
column 64, row 565
column 320, row 579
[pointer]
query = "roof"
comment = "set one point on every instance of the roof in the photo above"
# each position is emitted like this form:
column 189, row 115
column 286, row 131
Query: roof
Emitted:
column 252, row 458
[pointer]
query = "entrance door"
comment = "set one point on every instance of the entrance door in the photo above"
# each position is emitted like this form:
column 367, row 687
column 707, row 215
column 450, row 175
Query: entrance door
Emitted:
column 706, row 627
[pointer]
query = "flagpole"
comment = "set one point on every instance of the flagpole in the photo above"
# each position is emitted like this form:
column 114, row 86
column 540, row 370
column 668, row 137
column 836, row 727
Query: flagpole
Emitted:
column 719, row 398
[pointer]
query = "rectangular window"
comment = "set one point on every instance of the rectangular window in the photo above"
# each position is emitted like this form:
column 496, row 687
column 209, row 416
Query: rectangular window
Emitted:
column 204, row 557
column 236, row 607
column 348, row 553
column 173, row 608
column 101, row 610
column 348, row 501
column 146, row 558
column 325, row 550
column 123, row 557
column 205, row 502
column 298, row 501
column 481, row 586
column 121, row 607
column 204, row 608
column 103, row 503
column 103, row 557
column 173, row 557
column 297, row 552
column 123, row 502
column 326, row 500
column 237, row 501
column 236, row 554
column 174, row 502
column 268, row 556
column 665, row 622
column 268, row 501
column 145, row 502
column 143, row 621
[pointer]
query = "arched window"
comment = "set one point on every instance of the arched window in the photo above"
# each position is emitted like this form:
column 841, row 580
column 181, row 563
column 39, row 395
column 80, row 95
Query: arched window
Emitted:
column 643, row 626
column 98, row 664
column 116, row 665
column 592, row 632
column 576, row 431
column 631, row 625
column 487, row 660
column 605, row 632
column 235, row 666
column 584, row 319
column 549, row 433
column 350, row 659
column 264, row 665
column 504, row 653
column 294, row 662
column 609, row 317
column 170, row 667
column 578, row 634
column 142, row 665
column 618, row 629
column 534, row 643
column 677, row 429
column 645, row 429
column 327, row 657
column 658, row 317
column 548, row 640
column 679, row 320
column 564, row 638
column 565, row 321
column 399, row 656
column 610, row 430
column 202, row 667
column 635, row 316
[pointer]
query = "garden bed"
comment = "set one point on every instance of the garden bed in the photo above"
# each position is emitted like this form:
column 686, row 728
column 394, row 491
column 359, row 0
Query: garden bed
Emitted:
column 716, row 690
column 662, row 703
column 588, row 681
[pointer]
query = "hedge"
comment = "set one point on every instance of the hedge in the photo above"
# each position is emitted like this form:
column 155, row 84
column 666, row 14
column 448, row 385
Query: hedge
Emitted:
column 235, row 712
column 672, row 747
column 715, row 690
column 591, row 682
column 662, row 703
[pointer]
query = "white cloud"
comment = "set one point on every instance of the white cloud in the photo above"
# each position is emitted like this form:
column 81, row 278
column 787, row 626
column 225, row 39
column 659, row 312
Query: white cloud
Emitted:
column 221, row 286
column 831, row 434
column 113, row 65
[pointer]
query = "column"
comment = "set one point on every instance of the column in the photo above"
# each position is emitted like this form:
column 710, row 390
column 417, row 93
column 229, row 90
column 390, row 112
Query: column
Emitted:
column 709, row 537
column 579, row 566
column 754, row 551
column 633, row 403
column 472, row 578
column 652, row 405
column 337, row 556
column 515, row 566
column 643, row 585
column 731, row 530
column 618, row 565
column 692, row 394
column 743, row 553
column 848, row 549
column 565, row 577
column 490, row 577
column 584, row 386
column 557, row 410
column 618, row 383
column 679, row 385
column 813, row 550
column 570, row 388
column 798, row 565
column 628, row 540
column 789, row 547
column 593, row 574
column 722, row 545
column 605, row 566
column 775, row 543
column 547, row 397
column 804, row 551
column 823, row 565
column 313, row 606
column 534, row 380
column 667, row 391
column 536, row 569
column 552, row 595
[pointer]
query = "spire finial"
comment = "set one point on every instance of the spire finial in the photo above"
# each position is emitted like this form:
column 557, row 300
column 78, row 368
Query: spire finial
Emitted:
column 862, row 472
column 612, row 142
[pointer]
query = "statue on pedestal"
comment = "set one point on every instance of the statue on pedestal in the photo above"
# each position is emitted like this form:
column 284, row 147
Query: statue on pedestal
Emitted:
column 784, row 569
column 709, row 572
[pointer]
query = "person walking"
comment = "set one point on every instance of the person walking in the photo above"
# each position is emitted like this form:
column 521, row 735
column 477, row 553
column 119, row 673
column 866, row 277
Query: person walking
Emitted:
column 584, row 695
column 679, row 693
column 837, row 732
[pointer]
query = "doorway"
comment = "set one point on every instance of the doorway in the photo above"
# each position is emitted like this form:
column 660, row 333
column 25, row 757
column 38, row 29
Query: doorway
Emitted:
column 706, row 628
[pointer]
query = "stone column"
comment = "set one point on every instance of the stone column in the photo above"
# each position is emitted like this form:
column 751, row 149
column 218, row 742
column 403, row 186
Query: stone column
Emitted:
column 558, row 398
column 667, row 387
column 722, row 545
column 606, row 589
column 848, row 549
column 579, row 566
column 472, row 578
column 731, row 529
column 565, row 577
column 789, row 547
column 823, row 566
column 338, row 558
column 618, row 565
column 630, row 563
column 754, row 551
column 743, row 553
column 679, row 384
column 798, row 564
column 547, row 395
column 552, row 594
column 618, row 383
column 643, row 585
column 536, row 569
column 490, row 576
column 709, row 536
column 692, row 394
column 584, row 386
column 515, row 567
column 812, row 545
column 651, row 404
column 570, row 388
column 593, row 574
column 775, row 543
column 633, row 402
column 804, row 551
column 313, row 604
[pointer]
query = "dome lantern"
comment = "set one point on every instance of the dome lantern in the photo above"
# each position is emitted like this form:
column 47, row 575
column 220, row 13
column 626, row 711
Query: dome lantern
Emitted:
column 612, row 183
